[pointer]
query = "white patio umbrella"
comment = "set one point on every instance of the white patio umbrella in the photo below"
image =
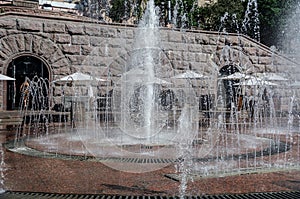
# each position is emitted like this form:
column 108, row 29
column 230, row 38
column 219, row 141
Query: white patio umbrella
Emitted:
column 189, row 75
column 236, row 76
column 271, row 77
column 296, row 84
column 77, row 77
column 159, row 81
column 141, row 76
column 6, row 78
column 255, row 82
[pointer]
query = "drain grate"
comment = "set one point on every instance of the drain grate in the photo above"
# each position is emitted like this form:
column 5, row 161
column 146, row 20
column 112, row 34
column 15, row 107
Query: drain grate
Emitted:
column 33, row 195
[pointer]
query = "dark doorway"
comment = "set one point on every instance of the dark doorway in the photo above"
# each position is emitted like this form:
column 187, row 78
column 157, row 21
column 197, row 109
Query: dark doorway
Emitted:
column 230, row 89
column 22, row 68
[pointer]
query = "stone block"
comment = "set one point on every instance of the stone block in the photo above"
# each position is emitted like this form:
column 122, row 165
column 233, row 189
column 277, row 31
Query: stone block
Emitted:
column 209, row 49
column 188, row 56
column 180, row 65
column 264, row 53
column 36, row 43
column 54, row 27
column 213, row 40
column 103, row 51
column 8, row 24
column 92, row 30
column 253, row 59
column 265, row 60
column 49, row 51
column 200, row 57
column 62, row 38
column 28, row 42
column 250, row 51
column 96, row 41
column 129, row 34
column 235, row 41
column 175, row 37
column 188, row 38
column 175, row 46
column 86, row 49
column 3, row 56
column 55, row 56
column 5, row 48
column 76, row 59
column 163, row 35
column 45, row 35
column 47, row 47
column 12, row 31
column 70, row 49
column 107, row 32
column 3, row 33
column 93, row 61
column 75, row 29
column 20, row 42
column 80, row 40
column 202, row 39
column 31, row 26
column 11, row 44
column 221, row 41
column 117, row 42
column 62, row 66
column 194, row 48
column 174, row 55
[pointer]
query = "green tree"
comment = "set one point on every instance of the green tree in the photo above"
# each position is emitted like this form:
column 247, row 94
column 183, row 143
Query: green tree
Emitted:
column 127, row 9
column 264, row 20
column 93, row 8
column 251, row 22
column 225, row 15
column 185, row 13
column 267, row 24
column 274, row 19
column 118, row 10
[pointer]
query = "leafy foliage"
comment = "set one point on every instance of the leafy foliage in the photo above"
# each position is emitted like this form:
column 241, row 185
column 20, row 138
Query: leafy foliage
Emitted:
column 225, row 15
column 93, row 8
column 274, row 17
column 263, row 20
column 267, row 22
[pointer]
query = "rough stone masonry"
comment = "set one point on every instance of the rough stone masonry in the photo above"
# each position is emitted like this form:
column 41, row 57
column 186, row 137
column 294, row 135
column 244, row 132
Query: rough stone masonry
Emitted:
column 66, row 44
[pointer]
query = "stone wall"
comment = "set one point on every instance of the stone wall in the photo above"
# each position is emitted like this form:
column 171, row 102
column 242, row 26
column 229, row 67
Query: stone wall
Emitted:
column 68, row 45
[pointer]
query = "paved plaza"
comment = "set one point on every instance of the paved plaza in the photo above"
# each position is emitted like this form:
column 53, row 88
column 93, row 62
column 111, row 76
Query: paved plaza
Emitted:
column 26, row 173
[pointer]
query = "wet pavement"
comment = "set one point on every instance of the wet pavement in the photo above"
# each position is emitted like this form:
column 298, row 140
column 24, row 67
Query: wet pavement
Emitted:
column 23, row 173
column 32, row 195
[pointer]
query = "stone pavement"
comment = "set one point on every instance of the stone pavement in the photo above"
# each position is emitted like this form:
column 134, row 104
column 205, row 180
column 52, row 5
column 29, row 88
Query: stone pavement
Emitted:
column 33, row 195
column 34, row 174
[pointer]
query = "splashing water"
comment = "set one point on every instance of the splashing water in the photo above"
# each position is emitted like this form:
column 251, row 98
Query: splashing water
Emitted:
column 136, row 124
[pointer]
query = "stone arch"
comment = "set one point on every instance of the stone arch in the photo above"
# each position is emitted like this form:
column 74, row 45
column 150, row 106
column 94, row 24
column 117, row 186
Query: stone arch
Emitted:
column 233, row 56
column 125, row 62
column 42, row 48
column 98, row 56
column 230, row 60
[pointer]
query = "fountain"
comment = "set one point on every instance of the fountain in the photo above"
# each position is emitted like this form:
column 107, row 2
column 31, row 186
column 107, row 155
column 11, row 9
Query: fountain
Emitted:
column 150, row 117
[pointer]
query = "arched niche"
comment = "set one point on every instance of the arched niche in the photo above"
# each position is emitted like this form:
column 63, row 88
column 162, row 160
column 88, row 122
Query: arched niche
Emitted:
column 46, row 57
column 229, row 91
column 25, row 67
